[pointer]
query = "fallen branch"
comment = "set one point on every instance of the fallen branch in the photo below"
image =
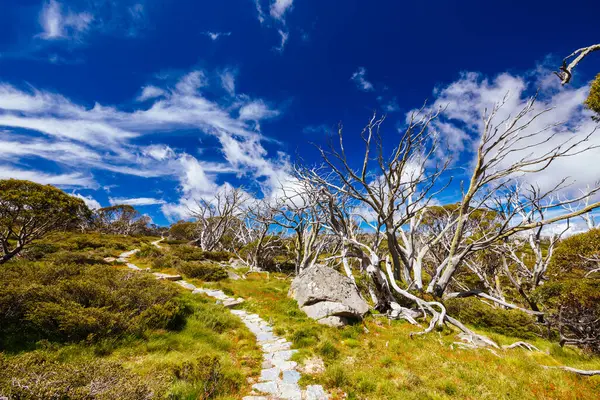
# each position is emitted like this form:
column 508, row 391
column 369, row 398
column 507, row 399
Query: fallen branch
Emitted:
column 524, row 345
column 582, row 372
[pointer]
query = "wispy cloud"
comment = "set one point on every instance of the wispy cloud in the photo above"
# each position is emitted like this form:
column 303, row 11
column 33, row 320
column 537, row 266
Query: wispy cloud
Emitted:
column 83, row 140
column 279, row 8
column 360, row 79
column 74, row 179
column 228, row 80
column 284, row 38
column 151, row 92
column 138, row 201
column 58, row 23
column 92, row 203
column 215, row 35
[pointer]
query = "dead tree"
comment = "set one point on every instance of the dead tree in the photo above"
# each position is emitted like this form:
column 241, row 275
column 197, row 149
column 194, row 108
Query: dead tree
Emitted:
column 566, row 70
column 298, row 211
column 399, row 191
column 254, row 235
column 217, row 216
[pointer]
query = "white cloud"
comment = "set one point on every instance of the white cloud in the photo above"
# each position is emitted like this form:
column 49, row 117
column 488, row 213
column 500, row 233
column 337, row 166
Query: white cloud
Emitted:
column 463, row 103
column 74, row 179
column 92, row 203
column 228, row 81
column 284, row 38
column 359, row 78
column 58, row 24
column 139, row 201
column 256, row 110
column 191, row 82
column 79, row 138
column 215, row 35
column 159, row 152
column 259, row 10
column 151, row 92
column 279, row 8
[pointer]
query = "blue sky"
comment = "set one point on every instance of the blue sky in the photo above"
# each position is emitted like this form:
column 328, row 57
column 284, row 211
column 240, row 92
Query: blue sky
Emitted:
column 157, row 103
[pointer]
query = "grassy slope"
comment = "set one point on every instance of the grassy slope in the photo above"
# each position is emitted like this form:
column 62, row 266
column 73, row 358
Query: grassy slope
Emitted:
column 386, row 364
column 210, row 331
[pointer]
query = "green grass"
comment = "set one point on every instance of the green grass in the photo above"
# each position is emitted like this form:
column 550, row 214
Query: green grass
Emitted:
column 386, row 363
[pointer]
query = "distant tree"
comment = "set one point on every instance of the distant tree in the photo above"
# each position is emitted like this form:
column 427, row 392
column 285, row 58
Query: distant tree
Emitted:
column 121, row 219
column 182, row 230
column 28, row 211
column 217, row 216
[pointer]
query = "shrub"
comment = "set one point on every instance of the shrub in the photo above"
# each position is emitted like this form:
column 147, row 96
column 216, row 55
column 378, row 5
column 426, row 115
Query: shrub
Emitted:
column 568, row 257
column 66, row 257
column 149, row 251
column 70, row 303
column 39, row 251
column 575, row 306
column 513, row 323
column 37, row 375
column 206, row 271
column 208, row 373
column 188, row 253
column 218, row 256
column 166, row 261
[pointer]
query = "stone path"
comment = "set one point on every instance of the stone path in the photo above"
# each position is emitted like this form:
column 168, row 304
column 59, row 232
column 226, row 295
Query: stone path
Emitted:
column 279, row 376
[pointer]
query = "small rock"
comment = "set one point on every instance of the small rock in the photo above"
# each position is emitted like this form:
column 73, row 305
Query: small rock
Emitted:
column 289, row 391
column 186, row 285
column 167, row 277
column 233, row 276
column 313, row 365
column 315, row 392
column 271, row 374
column 266, row 387
column 106, row 259
column 291, row 376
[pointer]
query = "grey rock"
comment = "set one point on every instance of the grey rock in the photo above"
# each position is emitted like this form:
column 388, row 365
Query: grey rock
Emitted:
column 186, row 285
column 167, row 277
column 334, row 321
column 236, row 264
column 324, row 293
column 289, row 391
column 270, row 374
column 291, row 376
column 266, row 387
column 133, row 267
column 315, row 392
column 106, row 259
column 233, row 276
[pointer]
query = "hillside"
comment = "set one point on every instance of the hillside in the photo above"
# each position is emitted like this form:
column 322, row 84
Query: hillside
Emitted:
column 83, row 325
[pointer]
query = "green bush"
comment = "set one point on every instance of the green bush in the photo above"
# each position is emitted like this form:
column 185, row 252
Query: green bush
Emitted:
column 191, row 253
column 70, row 303
column 149, row 251
column 37, row 375
column 218, row 256
column 188, row 253
column 575, row 314
column 206, row 271
column 39, row 250
column 208, row 377
column 513, row 323
column 568, row 258
column 166, row 261
column 78, row 258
